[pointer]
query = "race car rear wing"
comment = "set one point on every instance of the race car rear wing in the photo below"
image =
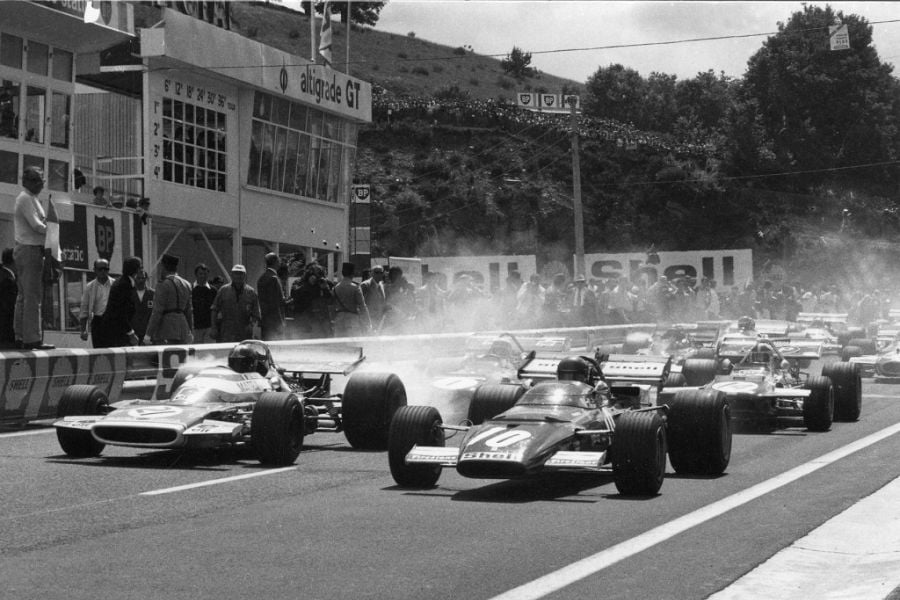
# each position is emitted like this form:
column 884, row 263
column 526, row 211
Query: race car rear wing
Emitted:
column 334, row 360
column 832, row 318
column 481, row 342
column 616, row 368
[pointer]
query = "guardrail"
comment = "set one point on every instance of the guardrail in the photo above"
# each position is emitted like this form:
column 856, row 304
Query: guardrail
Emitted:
column 33, row 382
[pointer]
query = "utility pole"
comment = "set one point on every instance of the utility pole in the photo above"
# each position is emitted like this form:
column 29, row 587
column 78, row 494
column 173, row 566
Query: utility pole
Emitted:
column 576, row 190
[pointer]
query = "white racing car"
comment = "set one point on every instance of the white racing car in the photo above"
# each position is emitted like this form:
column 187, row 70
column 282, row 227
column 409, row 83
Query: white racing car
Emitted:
column 253, row 400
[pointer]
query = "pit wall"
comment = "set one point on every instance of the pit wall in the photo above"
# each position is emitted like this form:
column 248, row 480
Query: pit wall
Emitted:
column 33, row 382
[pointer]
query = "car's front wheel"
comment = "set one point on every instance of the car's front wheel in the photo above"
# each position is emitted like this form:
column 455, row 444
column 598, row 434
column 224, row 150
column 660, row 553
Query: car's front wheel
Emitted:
column 699, row 432
column 79, row 400
column 818, row 407
column 277, row 427
column 639, row 453
column 411, row 426
column 847, row 389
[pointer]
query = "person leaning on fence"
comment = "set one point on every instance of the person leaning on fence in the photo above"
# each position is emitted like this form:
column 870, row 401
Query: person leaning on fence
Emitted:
column 172, row 318
column 30, row 232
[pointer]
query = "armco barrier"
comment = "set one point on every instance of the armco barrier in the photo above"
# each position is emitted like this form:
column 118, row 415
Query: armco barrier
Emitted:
column 33, row 382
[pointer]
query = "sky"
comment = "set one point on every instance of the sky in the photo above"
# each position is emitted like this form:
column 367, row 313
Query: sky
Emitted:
column 539, row 26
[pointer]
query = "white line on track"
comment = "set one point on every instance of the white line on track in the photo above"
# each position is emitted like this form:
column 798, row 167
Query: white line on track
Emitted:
column 586, row 567
column 23, row 433
column 190, row 486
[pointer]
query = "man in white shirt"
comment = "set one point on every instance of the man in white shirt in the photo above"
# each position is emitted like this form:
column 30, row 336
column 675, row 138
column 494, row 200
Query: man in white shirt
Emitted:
column 30, row 228
column 93, row 305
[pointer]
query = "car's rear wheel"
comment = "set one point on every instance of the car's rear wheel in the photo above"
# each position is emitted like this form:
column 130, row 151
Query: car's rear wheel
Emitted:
column 369, row 403
column 866, row 346
column 818, row 407
column 490, row 400
column 277, row 428
column 79, row 400
column 699, row 432
column 675, row 380
column 848, row 352
column 705, row 353
column 847, row 384
column 414, row 425
column 639, row 453
column 183, row 374
column 699, row 371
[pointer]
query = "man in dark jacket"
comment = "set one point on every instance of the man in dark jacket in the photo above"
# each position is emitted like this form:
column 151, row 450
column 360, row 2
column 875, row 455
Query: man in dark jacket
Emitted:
column 271, row 300
column 9, row 289
column 120, row 306
column 143, row 305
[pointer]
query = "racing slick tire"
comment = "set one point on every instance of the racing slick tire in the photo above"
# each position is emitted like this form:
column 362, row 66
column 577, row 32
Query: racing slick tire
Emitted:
column 866, row 346
column 369, row 403
column 639, row 453
column 848, row 352
column 81, row 400
column 410, row 426
column 705, row 353
column 818, row 407
column 699, row 371
column 490, row 400
column 847, row 384
column 675, row 380
column 183, row 374
column 277, row 428
column 698, row 431
column 634, row 342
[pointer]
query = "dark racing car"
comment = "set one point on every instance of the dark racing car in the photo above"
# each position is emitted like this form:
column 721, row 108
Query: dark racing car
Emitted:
column 579, row 421
column 253, row 400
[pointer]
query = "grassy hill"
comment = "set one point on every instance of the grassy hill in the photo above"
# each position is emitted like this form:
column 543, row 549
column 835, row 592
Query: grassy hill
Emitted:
column 401, row 64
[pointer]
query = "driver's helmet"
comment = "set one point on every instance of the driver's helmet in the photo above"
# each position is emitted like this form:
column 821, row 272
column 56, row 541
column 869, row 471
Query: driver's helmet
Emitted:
column 761, row 354
column 575, row 368
column 247, row 357
column 746, row 324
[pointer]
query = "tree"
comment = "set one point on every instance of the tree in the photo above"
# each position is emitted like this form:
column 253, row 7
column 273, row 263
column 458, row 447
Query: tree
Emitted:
column 615, row 92
column 361, row 13
column 517, row 63
column 821, row 108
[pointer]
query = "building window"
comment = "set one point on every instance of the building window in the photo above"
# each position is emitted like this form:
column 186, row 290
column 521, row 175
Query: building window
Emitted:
column 194, row 144
column 58, row 176
column 9, row 108
column 35, row 111
column 62, row 65
column 299, row 150
column 60, row 118
column 38, row 58
column 9, row 167
column 11, row 51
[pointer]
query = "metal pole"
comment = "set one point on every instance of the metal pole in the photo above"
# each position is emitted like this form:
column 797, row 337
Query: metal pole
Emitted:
column 576, row 193
column 347, row 31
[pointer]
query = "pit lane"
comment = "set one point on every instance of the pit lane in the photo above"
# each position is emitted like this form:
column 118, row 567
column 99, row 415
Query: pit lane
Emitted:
column 335, row 526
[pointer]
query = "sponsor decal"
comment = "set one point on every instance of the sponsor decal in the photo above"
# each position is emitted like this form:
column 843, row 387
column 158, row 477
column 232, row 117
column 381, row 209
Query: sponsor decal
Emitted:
column 505, row 456
column 154, row 412
column 20, row 380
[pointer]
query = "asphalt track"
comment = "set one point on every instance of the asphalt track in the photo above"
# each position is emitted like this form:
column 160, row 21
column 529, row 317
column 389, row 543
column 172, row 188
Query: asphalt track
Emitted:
column 144, row 525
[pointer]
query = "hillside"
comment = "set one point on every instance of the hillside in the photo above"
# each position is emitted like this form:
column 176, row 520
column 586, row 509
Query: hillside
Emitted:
column 403, row 65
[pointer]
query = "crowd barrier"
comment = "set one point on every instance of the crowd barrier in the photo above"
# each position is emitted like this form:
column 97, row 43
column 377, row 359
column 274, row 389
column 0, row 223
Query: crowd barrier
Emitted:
column 33, row 382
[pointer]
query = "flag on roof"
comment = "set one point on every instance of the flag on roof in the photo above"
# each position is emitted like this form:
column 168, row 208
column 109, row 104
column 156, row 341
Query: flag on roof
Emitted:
column 325, row 37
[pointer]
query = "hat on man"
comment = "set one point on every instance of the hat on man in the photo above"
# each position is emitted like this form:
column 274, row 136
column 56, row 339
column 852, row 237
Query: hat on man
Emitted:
column 238, row 269
column 348, row 269
column 170, row 262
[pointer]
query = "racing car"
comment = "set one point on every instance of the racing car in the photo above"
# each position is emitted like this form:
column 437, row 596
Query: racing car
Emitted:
column 879, row 361
column 488, row 358
column 762, row 382
column 830, row 329
column 576, row 418
column 253, row 400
